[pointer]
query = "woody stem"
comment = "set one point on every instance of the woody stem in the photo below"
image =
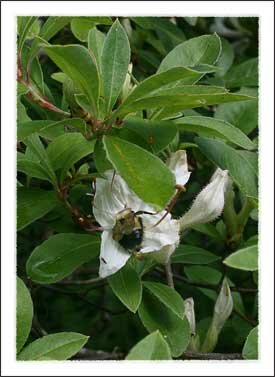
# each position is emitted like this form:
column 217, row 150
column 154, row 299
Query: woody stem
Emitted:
column 169, row 274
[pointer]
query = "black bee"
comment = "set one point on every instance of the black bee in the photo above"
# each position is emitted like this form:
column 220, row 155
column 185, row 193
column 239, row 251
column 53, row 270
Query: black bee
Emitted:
column 128, row 229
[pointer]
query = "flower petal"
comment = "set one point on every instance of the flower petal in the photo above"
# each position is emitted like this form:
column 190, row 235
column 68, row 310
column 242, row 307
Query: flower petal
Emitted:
column 106, row 204
column 112, row 256
column 166, row 233
column 177, row 163
column 112, row 196
column 209, row 204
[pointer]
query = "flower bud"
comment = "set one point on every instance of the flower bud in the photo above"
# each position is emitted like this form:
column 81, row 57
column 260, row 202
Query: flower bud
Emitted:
column 223, row 309
column 190, row 314
column 209, row 203
column 177, row 163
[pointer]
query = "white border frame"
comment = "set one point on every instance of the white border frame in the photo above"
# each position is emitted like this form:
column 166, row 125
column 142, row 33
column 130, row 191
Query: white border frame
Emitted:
column 263, row 9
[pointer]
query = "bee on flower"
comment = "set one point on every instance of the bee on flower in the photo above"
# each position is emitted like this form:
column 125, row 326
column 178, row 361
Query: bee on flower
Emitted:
column 131, row 225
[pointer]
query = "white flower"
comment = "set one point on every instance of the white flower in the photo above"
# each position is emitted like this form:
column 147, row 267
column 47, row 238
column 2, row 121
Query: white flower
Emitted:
column 209, row 203
column 113, row 196
column 160, row 233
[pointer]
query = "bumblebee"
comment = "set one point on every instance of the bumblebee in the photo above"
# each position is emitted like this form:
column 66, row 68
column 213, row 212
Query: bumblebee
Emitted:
column 128, row 229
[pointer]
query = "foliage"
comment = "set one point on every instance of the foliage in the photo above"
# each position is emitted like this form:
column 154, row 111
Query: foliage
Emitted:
column 104, row 93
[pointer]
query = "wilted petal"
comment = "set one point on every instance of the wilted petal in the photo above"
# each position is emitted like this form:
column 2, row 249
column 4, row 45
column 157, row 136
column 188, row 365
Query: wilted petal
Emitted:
column 161, row 239
column 112, row 256
column 177, row 163
column 209, row 204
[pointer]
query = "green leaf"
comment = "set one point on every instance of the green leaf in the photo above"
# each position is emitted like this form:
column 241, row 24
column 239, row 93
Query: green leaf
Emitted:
column 152, row 347
column 250, row 349
column 169, row 31
column 24, row 24
column 76, row 62
column 207, row 126
column 178, row 98
column 30, row 167
column 156, row 316
column 114, row 63
column 229, row 159
column 100, row 159
column 52, row 26
column 36, row 147
column 24, row 313
column 81, row 25
column 159, row 81
column 126, row 285
column 193, row 255
column 226, row 58
column 168, row 296
column 22, row 115
column 203, row 274
column 48, row 128
column 153, row 135
column 207, row 229
column 33, row 203
column 67, row 149
column 243, row 115
column 60, row 255
column 200, row 50
column 95, row 44
column 138, row 168
column 244, row 259
column 60, row 346
column 244, row 74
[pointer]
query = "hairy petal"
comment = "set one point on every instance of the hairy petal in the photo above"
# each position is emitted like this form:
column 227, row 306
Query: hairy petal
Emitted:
column 112, row 256
column 209, row 204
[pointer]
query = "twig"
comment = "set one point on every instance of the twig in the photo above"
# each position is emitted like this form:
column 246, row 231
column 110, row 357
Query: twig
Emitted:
column 83, row 298
column 80, row 282
column 214, row 287
column 169, row 275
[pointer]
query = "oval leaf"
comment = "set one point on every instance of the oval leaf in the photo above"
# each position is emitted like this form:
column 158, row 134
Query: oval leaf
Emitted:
column 60, row 346
column 48, row 128
column 114, row 63
column 168, row 296
column 156, row 316
column 126, row 285
column 152, row 347
column 67, row 149
column 243, row 115
column 155, row 135
column 207, row 126
column 193, row 255
column 229, row 159
column 250, row 349
column 60, row 255
column 200, row 50
column 138, row 168
column 244, row 259
column 81, row 25
column 24, row 313
column 76, row 62
column 33, row 203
